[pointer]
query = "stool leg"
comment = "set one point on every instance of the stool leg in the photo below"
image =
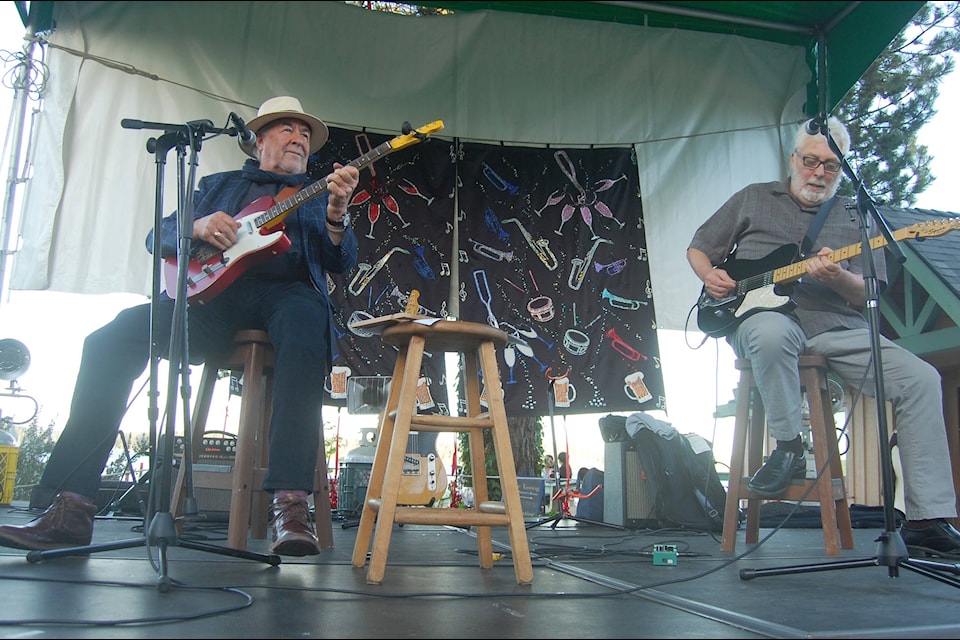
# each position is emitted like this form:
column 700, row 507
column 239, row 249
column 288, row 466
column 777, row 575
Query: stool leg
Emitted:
column 755, row 449
column 321, row 500
column 824, row 489
column 833, row 510
column 519, row 546
column 478, row 462
column 260, row 499
column 368, row 515
column 844, row 524
column 406, row 406
column 731, row 517
column 251, row 415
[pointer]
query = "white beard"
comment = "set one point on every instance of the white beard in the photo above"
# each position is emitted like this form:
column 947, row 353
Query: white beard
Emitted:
column 813, row 196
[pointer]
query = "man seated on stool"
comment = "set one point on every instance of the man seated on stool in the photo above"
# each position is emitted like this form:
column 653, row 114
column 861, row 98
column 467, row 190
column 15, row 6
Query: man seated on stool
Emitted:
column 285, row 296
column 827, row 321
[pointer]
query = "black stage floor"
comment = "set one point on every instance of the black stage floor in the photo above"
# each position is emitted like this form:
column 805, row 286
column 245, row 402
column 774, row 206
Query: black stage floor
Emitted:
column 590, row 581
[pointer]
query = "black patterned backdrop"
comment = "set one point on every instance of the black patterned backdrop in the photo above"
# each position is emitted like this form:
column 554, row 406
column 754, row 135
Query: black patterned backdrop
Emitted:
column 402, row 214
column 556, row 257
column 549, row 245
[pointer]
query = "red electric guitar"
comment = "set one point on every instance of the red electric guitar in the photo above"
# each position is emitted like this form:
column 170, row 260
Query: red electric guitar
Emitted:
column 260, row 236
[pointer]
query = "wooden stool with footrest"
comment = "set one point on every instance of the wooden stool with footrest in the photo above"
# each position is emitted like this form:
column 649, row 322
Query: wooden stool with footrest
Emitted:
column 748, row 435
column 413, row 335
column 253, row 355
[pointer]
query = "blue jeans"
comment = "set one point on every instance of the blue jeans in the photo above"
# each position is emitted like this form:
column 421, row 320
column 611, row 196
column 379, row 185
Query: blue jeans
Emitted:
column 298, row 320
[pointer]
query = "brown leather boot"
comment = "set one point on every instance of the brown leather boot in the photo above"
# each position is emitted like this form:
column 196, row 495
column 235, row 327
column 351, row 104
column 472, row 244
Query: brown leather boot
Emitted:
column 293, row 533
column 68, row 522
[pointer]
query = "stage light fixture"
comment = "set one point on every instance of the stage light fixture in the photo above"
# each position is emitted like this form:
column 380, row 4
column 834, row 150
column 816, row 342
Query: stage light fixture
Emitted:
column 14, row 359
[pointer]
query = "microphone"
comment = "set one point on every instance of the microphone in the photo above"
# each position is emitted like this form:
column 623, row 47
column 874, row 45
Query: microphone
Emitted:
column 245, row 138
column 817, row 125
column 203, row 125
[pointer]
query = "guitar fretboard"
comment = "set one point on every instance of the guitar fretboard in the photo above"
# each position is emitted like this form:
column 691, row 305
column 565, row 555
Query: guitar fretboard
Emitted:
column 284, row 207
column 797, row 270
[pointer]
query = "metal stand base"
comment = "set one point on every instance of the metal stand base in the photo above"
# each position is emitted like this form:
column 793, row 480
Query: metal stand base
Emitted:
column 892, row 553
column 162, row 534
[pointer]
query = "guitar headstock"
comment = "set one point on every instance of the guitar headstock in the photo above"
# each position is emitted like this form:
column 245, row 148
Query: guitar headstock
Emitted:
column 932, row 228
column 413, row 302
column 413, row 136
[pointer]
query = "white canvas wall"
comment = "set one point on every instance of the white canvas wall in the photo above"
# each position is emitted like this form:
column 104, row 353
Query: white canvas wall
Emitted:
column 705, row 113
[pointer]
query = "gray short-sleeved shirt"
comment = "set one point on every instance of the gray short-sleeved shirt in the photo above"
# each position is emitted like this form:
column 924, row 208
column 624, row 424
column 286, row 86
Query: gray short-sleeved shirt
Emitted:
column 761, row 219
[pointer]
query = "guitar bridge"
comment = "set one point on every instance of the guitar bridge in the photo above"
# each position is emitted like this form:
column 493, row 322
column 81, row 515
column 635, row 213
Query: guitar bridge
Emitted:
column 411, row 465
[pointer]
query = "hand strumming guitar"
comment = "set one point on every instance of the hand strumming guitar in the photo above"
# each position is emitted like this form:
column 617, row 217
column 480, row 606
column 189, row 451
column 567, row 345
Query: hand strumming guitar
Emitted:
column 716, row 282
column 218, row 229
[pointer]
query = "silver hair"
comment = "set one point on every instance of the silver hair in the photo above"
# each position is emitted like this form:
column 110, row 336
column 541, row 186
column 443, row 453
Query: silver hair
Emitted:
column 838, row 131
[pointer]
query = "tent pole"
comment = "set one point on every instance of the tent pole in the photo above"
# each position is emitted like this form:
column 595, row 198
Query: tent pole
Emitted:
column 14, row 140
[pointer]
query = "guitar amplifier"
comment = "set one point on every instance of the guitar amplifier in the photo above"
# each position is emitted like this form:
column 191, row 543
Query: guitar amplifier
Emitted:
column 627, row 498
column 627, row 501
column 218, row 450
column 216, row 447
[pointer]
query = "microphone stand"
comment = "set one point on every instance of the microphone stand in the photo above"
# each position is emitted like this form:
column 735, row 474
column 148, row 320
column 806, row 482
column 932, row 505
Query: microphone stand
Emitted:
column 159, row 524
column 891, row 550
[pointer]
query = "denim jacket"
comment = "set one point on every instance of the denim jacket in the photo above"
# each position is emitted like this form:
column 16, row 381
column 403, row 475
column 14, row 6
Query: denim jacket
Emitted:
column 223, row 192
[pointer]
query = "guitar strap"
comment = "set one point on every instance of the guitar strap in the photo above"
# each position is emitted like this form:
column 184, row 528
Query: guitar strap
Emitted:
column 815, row 227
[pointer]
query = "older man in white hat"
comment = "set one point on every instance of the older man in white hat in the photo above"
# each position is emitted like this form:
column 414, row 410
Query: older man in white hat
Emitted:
column 285, row 295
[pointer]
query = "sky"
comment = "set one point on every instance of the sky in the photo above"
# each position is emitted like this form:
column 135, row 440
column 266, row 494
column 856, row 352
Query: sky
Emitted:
column 53, row 325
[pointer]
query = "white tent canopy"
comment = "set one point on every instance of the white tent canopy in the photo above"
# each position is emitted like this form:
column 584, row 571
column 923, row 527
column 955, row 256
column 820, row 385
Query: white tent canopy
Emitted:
column 706, row 113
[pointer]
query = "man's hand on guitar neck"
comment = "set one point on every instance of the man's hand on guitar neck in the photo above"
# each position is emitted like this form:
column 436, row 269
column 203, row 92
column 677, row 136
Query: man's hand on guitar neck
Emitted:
column 218, row 229
column 824, row 270
column 341, row 184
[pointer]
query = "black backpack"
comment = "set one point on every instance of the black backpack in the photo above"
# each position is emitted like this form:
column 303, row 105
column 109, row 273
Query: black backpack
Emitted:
column 686, row 490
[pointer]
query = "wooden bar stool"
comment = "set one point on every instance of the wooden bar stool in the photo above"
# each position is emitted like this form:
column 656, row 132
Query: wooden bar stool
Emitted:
column 477, row 342
column 253, row 356
column 748, row 439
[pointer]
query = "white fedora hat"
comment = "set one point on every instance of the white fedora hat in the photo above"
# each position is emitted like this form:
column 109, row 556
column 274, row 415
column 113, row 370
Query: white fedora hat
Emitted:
column 283, row 107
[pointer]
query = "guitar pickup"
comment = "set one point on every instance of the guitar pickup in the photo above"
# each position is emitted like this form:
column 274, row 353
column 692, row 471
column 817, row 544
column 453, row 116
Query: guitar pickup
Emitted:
column 213, row 267
column 206, row 271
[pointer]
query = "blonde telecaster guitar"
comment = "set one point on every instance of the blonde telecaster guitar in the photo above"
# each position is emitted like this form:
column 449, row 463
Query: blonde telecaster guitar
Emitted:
column 423, row 480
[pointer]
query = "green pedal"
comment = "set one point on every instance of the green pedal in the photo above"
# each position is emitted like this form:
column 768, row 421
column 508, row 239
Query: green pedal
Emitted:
column 665, row 554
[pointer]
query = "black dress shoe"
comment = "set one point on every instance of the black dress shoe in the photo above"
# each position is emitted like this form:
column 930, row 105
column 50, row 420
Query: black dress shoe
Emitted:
column 774, row 476
column 939, row 539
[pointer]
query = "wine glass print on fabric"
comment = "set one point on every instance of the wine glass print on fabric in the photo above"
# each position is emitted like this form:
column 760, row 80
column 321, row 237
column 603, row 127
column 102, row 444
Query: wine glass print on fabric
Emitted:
column 553, row 252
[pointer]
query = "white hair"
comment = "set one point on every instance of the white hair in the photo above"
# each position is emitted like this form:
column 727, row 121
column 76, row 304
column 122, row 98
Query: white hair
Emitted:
column 838, row 131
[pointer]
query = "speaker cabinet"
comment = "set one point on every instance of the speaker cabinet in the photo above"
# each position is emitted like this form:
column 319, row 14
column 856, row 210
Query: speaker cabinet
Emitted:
column 121, row 498
column 213, row 504
column 627, row 501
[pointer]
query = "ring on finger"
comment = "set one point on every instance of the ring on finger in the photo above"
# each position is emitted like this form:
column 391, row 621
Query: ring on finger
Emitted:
column 217, row 234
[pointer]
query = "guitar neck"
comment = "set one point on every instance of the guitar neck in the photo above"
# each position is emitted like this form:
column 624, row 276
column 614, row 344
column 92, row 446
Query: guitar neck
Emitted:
column 797, row 270
column 280, row 210
column 755, row 288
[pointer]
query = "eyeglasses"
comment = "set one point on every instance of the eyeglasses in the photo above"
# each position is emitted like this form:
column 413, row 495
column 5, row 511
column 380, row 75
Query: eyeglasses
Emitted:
column 810, row 162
